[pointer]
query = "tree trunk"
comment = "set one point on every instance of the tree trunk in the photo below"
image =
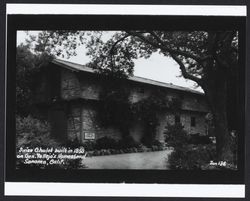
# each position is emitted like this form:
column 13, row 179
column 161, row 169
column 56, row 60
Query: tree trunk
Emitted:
column 216, row 92
column 224, row 152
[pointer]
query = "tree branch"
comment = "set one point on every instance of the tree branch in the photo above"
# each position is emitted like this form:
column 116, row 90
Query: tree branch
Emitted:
column 119, row 40
column 161, row 45
column 184, row 71
column 172, row 54
column 113, row 46
column 143, row 38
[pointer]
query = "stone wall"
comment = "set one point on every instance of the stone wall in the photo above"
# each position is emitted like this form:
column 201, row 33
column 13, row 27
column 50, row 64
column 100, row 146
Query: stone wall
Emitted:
column 90, row 88
column 200, row 124
column 70, row 85
column 82, row 118
column 193, row 102
column 74, row 121
column 137, row 93
column 185, row 120
column 87, row 86
column 82, row 86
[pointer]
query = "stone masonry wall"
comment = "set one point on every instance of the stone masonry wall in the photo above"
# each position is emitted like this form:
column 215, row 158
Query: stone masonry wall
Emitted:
column 185, row 120
column 83, row 119
column 74, row 122
column 200, row 126
column 70, row 85
column 88, row 87
column 194, row 103
column 90, row 124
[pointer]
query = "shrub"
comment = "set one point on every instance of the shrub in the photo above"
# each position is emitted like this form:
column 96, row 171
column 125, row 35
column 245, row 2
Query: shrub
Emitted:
column 158, row 144
column 73, row 164
column 89, row 145
column 176, row 136
column 142, row 148
column 128, row 142
column 72, row 143
column 31, row 132
column 199, row 139
column 187, row 156
column 154, row 148
column 106, row 143
column 192, row 157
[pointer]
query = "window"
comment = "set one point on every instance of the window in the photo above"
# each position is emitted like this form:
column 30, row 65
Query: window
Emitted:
column 141, row 90
column 193, row 122
column 177, row 119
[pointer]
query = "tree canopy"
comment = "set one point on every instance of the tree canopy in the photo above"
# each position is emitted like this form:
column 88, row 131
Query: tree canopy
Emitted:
column 195, row 52
column 209, row 58
column 27, row 63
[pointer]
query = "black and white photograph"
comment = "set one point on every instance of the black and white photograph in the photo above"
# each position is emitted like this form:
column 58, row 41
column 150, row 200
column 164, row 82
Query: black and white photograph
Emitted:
column 134, row 99
column 137, row 102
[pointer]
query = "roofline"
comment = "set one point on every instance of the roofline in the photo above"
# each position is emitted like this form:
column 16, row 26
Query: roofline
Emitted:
column 133, row 78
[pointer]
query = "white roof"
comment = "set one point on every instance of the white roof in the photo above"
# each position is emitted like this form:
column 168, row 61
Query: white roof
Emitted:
column 77, row 67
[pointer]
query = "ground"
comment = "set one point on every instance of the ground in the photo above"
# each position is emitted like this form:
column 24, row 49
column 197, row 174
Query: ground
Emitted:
column 145, row 160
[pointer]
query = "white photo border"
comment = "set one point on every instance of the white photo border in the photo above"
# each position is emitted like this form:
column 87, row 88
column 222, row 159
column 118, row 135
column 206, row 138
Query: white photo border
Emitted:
column 125, row 190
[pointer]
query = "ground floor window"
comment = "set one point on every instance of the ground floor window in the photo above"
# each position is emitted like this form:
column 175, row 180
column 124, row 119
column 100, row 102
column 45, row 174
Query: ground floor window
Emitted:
column 177, row 119
column 193, row 122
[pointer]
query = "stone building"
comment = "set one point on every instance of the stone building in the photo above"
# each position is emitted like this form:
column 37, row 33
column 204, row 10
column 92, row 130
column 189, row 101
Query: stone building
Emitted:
column 68, row 93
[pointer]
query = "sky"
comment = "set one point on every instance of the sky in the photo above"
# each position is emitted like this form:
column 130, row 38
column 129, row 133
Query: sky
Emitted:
column 157, row 67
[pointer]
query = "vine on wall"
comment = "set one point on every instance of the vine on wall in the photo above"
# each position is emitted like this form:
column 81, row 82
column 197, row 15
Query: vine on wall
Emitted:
column 117, row 110
column 115, row 106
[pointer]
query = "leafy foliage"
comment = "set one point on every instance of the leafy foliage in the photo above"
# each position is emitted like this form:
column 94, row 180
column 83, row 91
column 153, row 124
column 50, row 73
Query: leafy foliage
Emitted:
column 117, row 53
column 128, row 142
column 176, row 136
column 27, row 64
column 147, row 111
column 31, row 132
column 186, row 156
column 106, row 143
column 192, row 157
column 56, row 42
column 199, row 139
column 89, row 145
column 72, row 143
column 115, row 105
column 115, row 101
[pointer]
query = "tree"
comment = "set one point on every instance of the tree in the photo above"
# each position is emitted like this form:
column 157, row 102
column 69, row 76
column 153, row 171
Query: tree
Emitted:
column 208, row 58
column 27, row 63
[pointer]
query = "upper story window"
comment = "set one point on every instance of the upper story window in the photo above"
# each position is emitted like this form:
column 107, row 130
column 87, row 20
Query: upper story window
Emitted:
column 141, row 90
column 197, row 100
column 193, row 121
column 177, row 119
